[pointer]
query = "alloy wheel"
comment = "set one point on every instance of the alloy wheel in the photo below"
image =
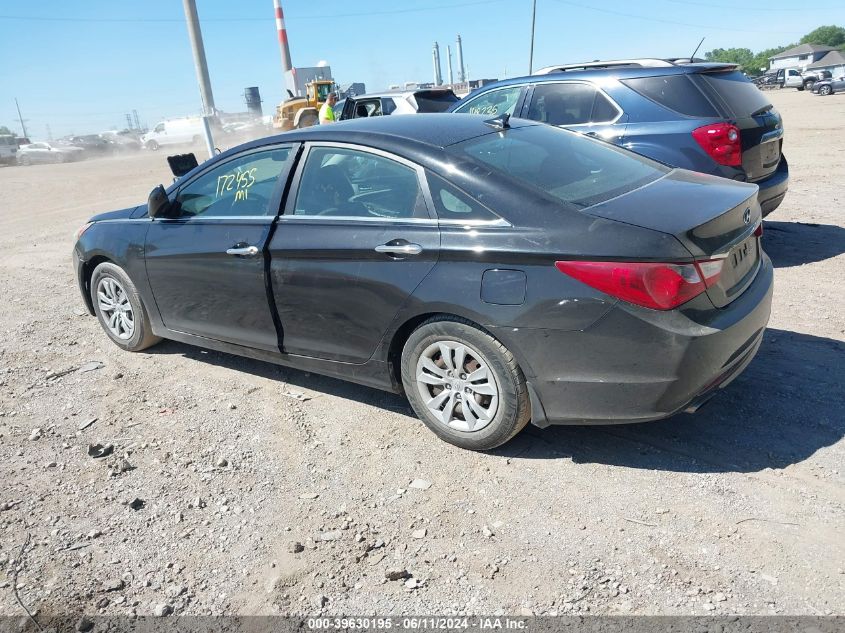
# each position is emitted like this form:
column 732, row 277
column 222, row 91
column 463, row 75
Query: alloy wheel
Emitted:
column 115, row 307
column 457, row 386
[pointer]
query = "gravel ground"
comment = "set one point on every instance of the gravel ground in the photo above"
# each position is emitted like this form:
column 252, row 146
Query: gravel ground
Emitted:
column 239, row 487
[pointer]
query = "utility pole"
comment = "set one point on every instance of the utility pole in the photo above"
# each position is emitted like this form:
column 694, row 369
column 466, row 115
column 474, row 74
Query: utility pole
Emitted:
column 128, row 121
column 137, row 123
column 20, row 118
column 195, row 34
column 533, row 24
column 49, row 133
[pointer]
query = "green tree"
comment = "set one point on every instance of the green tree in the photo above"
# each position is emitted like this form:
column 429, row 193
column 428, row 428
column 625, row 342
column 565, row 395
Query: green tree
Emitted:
column 5, row 130
column 740, row 56
column 826, row 35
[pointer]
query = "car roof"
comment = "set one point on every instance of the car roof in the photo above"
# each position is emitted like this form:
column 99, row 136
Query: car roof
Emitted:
column 391, row 132
column 401, row 92
column 621, row 71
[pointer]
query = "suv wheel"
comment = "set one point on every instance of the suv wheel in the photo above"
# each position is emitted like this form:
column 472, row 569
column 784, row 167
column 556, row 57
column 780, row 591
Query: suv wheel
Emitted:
column 464, row 385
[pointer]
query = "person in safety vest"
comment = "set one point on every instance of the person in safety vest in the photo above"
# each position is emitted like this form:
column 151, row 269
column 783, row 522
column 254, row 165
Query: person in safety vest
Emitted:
column 327, row 109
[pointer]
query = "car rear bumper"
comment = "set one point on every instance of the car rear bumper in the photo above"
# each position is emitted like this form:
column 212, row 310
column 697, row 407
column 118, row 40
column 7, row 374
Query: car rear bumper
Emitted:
column 636, row 365
column 773, row 189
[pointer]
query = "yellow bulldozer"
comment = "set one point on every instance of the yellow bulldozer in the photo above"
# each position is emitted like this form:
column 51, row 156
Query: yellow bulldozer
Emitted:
column 299, row 112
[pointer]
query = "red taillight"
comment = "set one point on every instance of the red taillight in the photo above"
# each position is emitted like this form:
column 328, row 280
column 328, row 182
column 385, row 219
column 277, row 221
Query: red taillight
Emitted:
column 660, row 286
column 758, row 232
column 721, row 142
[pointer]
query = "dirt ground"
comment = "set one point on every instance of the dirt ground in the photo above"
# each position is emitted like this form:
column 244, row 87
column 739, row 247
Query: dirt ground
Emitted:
column 240, row 487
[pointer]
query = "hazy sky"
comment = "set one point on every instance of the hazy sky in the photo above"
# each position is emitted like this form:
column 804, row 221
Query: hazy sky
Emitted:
column 80, row 66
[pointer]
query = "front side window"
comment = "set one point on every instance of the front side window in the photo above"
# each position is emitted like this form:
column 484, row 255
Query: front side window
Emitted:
column 493, row 103
column 240, row 187
column 347, row 183
column 159, row 128
column 570, row 104
column 573, row 168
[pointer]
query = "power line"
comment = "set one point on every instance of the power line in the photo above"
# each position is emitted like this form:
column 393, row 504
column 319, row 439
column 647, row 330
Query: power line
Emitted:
column 661, row 20
column 39, row 18
column 739, row 7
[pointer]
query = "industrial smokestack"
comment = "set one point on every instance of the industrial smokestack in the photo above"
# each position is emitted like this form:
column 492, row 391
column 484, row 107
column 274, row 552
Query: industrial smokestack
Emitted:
column 438, row 76
column 283, row 36
column 449, row 60
column 460, row 52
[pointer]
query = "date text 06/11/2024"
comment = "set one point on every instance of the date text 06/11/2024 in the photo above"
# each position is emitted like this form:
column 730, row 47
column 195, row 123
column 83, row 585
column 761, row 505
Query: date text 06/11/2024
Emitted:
column 410, row 623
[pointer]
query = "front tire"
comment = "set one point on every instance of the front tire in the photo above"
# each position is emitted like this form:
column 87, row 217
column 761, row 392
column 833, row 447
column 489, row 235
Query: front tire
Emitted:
column 825, row 91
column 464, row 384
column 119, row 309
column 152, row 146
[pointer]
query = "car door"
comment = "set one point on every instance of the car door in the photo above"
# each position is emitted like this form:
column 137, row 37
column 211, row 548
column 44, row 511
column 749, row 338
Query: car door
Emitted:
column 206, row 260
column 355, row 240
column 576, row 105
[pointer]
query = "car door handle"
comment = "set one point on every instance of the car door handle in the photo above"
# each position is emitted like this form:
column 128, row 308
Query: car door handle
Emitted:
column 243, row 251
column 399, row 249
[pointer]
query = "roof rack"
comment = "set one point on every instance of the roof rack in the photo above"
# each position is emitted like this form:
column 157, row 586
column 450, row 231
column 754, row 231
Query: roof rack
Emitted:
column 617, row 63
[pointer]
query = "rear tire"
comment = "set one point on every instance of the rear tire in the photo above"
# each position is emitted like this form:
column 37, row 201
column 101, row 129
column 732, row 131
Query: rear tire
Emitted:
column 119, row 309
column 438, row 362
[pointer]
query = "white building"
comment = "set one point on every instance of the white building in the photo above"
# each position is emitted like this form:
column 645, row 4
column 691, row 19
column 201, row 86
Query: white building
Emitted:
column 834, row 62
column 799, row 56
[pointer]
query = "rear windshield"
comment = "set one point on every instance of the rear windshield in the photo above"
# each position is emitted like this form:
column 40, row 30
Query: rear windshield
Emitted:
column 675, row 92
column 568, row 166
column 435, row 101
column 742, row 96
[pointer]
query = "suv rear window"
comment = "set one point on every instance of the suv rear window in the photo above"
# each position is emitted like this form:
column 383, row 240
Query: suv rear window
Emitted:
column 675, row 92
column 435, row 101
column 742, row 96
column 570, row 167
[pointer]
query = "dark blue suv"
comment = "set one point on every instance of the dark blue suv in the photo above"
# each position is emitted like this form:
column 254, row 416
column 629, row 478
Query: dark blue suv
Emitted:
column 700, row 116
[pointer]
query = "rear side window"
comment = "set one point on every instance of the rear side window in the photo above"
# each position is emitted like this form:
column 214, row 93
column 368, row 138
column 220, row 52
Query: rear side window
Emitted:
column 453, row 204
column 570, row 104
column 347, row 183
column 494, row 103
column 435, row 101
column 568, row 166
column 675, row 92
column 741, row 96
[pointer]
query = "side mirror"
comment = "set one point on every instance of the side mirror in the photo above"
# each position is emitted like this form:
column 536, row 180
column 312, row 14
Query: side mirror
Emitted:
column 158, row 204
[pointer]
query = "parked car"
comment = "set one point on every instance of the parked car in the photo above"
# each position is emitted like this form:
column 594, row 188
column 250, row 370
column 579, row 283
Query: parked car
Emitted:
column 8, row 149
column 765, row 82
column 122, row 141
column 48, row 153
column 829, row 86
column 399, row 102
column 91, row 144
column 698, row 116
column 495, row 271
column 174, row 132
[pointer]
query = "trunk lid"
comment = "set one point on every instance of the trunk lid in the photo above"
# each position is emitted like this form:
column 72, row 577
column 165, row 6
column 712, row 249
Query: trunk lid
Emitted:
column 714, row 218
column 760, row 125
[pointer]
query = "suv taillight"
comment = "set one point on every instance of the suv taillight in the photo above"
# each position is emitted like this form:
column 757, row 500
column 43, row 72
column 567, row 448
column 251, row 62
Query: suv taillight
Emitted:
column 721, row 142
column 655, row 285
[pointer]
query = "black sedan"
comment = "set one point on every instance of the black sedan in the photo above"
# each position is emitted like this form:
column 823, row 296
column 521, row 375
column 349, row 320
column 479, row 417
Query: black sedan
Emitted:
column 495, row 271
